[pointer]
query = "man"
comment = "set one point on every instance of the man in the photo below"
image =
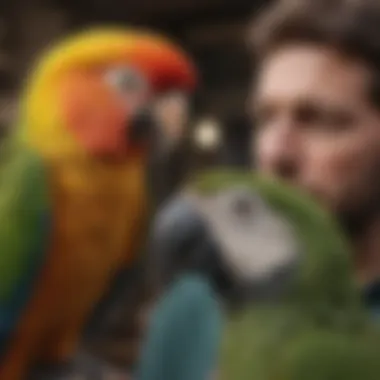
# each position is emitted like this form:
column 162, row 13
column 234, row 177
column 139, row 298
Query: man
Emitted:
column 316, row 105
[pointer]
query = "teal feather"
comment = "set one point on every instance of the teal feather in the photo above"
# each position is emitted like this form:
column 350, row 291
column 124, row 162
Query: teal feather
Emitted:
column 184, row 337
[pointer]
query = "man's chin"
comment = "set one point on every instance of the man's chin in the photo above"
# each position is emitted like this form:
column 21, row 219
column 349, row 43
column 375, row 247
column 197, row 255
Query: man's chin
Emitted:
column 353, row 219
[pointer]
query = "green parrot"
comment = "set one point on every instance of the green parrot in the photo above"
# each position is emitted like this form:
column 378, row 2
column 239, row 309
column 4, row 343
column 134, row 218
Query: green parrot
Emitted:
column 257, row 284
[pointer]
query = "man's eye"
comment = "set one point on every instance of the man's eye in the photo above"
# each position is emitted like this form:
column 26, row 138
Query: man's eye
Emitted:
column 324, row 119
column 307, row 115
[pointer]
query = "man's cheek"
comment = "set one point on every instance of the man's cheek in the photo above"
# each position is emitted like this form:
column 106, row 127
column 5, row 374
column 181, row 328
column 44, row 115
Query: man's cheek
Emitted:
column 334, row 174
column 335, row 158
column 321, row 176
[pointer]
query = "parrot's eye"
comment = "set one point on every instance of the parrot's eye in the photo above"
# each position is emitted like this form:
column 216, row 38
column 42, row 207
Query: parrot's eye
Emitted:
column 126, row 80
column 243, row 207
column 238, row 203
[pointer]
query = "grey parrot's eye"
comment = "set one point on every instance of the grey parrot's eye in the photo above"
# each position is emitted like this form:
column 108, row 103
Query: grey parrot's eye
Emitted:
column 240, row 204
column 126, row 80
column 242, row 207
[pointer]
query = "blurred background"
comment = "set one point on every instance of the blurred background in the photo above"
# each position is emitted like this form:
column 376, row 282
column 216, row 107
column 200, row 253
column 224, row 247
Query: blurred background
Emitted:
column 212, row 31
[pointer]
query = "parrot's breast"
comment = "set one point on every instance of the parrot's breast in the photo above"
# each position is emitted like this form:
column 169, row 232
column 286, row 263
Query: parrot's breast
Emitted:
column 99, row 213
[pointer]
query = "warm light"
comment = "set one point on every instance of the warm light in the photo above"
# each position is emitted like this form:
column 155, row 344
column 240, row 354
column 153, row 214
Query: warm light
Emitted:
column 207, row 134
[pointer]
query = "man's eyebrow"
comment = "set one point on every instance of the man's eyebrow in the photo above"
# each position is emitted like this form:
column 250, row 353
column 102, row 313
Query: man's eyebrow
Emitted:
column 327, row 104
column 260, row 105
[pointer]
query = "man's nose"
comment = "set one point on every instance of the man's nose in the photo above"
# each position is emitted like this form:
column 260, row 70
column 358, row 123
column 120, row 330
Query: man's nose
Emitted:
column 279, row 152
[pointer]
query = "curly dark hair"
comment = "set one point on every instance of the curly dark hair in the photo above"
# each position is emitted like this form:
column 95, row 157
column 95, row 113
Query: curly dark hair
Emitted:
column 352, row 27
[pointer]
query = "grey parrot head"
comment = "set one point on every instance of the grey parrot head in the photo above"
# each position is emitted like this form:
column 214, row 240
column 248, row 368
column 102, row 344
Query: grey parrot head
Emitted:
column 247, row 249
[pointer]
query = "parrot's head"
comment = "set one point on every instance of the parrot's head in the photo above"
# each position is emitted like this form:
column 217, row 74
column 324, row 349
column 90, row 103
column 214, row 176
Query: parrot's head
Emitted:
column 94, row 93
column 258, row 237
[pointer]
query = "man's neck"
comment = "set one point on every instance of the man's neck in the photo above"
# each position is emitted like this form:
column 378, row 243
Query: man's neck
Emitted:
column 367, row 254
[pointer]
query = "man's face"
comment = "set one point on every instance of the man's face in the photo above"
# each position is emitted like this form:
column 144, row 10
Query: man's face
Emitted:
column 317, row 128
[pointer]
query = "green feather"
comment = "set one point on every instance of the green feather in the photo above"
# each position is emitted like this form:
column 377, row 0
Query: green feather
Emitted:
column 23, row 202
column 280, row 344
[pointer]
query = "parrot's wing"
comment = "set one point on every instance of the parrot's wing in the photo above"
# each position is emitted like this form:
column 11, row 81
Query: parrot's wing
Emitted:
column 282, row 345
column 253, row 338
column 24, row 230
column 317, row 354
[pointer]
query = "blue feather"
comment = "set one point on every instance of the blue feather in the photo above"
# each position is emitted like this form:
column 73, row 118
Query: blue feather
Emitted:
column 183, row 339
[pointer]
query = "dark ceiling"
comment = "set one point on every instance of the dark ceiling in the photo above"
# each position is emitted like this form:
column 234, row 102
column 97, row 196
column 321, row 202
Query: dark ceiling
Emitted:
column 164, row 13
column 212, row 31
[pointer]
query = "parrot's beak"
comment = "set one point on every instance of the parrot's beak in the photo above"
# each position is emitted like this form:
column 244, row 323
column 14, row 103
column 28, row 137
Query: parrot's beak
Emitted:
column 141, row 127
column 166, row 115
column 181, row 242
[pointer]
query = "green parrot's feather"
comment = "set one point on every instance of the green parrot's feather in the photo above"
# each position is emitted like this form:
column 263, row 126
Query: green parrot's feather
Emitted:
column 276, row 344
column 318, row 354
column 24, row 228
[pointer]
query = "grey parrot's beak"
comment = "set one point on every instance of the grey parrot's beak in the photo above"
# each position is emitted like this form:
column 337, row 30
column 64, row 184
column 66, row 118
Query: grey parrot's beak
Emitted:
column 181, row 241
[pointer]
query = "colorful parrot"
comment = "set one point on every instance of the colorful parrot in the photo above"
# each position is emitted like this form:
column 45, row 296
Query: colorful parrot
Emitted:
column 72, row 185
column 258, row 285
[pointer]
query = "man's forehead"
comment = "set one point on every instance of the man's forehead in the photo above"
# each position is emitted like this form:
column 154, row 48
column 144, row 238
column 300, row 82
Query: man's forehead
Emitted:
column 310, row 71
